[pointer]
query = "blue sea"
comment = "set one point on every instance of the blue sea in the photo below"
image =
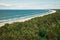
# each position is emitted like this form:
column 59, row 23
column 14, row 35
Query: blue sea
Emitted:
column 13, row 15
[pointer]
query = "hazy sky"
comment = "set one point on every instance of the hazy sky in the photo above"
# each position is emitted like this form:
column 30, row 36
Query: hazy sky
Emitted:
column 29, row 4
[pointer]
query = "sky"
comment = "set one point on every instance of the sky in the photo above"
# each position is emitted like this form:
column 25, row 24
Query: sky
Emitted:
column 29, row 4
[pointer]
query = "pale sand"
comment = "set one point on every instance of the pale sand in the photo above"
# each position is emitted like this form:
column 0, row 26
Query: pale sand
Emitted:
column 26, row 19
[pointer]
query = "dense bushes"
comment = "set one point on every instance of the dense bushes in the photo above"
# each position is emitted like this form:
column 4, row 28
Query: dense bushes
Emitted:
column 39, row 28
column 42, row 32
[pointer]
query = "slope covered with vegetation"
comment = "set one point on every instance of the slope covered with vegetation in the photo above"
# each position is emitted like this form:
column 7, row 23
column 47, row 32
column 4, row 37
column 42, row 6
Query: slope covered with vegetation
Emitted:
column 39, row 28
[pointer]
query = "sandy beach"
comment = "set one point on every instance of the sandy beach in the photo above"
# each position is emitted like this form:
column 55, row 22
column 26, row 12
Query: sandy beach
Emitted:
column 26, row 19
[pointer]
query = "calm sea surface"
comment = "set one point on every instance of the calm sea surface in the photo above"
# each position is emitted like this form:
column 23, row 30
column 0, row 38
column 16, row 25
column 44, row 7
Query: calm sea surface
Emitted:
column 11, row 15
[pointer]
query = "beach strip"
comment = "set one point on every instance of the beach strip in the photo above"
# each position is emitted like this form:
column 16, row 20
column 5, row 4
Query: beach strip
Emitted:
column 26, row 19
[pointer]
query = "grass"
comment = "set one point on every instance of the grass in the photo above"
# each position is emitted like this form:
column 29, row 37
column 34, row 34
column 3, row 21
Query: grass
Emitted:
column 39, row 28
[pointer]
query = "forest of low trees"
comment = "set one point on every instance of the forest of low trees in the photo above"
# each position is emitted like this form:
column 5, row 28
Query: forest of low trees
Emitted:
column 39, row 28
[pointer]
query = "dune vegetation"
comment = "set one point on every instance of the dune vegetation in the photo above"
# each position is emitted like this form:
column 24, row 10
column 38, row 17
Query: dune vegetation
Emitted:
column 39, row 28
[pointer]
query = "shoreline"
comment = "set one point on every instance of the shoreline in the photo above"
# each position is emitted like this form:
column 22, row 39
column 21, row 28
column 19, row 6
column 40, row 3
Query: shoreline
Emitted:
column 26, row 19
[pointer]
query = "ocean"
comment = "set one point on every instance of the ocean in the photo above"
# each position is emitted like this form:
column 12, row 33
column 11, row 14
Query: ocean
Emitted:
column 13, row 15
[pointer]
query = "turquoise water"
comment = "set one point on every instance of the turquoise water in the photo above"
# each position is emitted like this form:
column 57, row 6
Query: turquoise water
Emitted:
column 11, row 15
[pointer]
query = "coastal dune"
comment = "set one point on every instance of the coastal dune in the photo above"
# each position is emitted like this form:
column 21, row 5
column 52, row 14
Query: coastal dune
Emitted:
column 26, row 19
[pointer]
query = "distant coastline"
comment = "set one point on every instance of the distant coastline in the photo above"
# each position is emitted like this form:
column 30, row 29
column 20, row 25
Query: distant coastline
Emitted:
column 26, row 19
